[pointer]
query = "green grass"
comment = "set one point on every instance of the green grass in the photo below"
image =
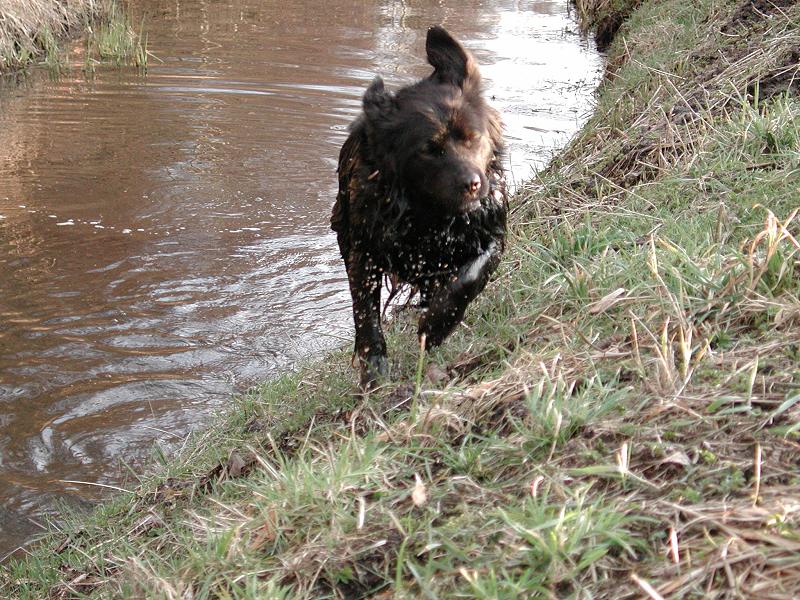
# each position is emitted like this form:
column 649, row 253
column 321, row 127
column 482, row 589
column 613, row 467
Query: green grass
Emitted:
column 618, row 417
column 114, row 40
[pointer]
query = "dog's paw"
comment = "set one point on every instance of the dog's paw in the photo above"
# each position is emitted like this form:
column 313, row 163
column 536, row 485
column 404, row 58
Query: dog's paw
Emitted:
column 374, row 369
column 435, row 328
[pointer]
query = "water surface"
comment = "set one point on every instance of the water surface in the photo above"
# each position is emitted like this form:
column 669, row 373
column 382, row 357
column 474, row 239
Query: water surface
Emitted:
column 164, row 240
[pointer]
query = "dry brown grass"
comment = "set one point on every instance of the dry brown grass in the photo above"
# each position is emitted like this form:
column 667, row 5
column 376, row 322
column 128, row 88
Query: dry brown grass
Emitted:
column 29, row 29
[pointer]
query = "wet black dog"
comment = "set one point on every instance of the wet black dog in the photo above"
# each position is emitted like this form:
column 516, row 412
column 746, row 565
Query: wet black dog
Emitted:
column 421, row 198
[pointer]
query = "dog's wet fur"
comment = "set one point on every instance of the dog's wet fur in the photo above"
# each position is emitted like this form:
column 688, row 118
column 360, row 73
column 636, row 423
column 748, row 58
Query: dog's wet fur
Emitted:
column 422, row 199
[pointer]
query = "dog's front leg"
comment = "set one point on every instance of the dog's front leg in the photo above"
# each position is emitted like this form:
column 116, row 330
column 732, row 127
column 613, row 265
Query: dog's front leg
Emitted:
column 365, row 288
column 448, row 304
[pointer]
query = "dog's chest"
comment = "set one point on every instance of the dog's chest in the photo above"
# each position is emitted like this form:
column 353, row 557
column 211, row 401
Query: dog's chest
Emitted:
column 417, row 248
column 425, row 252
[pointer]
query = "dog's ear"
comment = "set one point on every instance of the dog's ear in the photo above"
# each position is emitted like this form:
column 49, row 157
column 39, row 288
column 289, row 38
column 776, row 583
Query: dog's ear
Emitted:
column 377, row 101
column 452, row 62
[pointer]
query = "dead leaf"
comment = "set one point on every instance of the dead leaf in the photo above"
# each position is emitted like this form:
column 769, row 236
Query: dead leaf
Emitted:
column 436, row 375
column 677, row 458
column 236, row 464
column 262, row 535
column 150, row 521
column 607, row 301
column 418, row 495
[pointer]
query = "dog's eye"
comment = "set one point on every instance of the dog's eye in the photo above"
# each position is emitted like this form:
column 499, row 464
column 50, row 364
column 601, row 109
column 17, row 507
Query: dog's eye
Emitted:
column 434, row 149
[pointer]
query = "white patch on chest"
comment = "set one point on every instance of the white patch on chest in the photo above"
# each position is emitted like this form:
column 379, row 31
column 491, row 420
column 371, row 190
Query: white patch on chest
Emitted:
column 478, row 265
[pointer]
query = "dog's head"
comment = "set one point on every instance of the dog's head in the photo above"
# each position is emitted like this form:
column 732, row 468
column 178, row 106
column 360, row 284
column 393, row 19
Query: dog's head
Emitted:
column 437, row 138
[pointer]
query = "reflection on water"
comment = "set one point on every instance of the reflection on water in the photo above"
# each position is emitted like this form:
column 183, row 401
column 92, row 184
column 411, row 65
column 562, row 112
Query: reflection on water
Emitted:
column 164, row 240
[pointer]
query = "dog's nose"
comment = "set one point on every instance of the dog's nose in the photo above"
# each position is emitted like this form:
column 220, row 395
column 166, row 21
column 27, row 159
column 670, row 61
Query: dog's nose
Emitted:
column 474, row 184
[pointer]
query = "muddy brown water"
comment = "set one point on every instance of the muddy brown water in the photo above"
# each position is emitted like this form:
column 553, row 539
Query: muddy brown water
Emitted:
column 164, row 239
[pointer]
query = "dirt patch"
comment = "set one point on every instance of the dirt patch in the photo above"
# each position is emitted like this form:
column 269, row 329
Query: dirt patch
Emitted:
column 78, row 583
column 748, row 21
column 753, row 12
column 355, row 568
column 604, row 18
column 783, row 79
column 607, row 27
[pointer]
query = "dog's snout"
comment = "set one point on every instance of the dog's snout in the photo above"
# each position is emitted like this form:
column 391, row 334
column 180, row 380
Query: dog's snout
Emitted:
column 474, row 184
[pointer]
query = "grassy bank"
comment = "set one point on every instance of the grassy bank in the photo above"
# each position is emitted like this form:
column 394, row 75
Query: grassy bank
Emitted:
column 620, row 416
column 603, row 18
column 33, row 31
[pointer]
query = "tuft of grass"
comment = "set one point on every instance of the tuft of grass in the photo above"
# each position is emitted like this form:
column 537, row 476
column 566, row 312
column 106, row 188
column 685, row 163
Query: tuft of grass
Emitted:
column 33, row 31
column 618, row 417
column 113, row 39
column 30, row 29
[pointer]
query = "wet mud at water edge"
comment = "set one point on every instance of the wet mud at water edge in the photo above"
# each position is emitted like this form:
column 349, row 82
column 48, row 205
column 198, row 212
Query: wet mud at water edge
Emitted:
column 164, row 240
